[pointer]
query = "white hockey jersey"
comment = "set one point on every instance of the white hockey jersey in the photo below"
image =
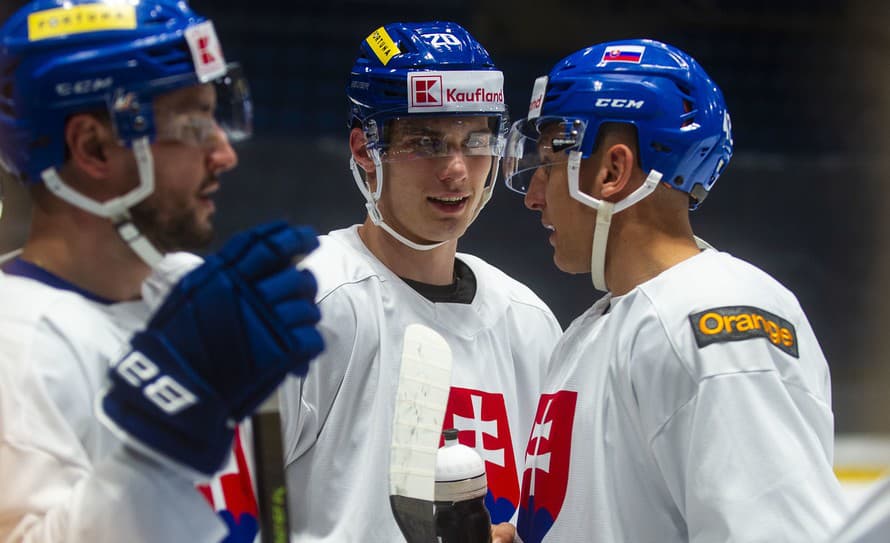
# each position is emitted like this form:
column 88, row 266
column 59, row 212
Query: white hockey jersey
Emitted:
column 338, row 420
column 870, row 522
column 695, row 408
column 65, row 477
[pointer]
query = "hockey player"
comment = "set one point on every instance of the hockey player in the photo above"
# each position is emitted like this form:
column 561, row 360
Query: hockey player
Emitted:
column 691, row 402
column 116, row 115
column 427, row 125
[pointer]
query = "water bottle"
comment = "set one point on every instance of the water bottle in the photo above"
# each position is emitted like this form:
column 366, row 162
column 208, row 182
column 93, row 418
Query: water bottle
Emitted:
column 461, row 516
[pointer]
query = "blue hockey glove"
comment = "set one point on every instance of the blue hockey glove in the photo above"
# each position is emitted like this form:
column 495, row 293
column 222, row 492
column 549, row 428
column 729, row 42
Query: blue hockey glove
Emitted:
column 225, row 337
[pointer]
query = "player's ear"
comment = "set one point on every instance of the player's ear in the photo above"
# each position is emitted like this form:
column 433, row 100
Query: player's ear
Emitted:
column 86, row 138
column 358, row 144
column 617, row 170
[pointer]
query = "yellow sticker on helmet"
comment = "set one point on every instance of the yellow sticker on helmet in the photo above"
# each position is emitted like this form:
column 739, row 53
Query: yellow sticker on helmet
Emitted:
column 80, row 19
column 382, row 45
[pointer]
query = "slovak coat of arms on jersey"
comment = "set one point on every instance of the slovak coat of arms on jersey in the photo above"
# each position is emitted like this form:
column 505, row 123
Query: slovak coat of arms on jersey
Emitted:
column 481, row 419
column 547, row 457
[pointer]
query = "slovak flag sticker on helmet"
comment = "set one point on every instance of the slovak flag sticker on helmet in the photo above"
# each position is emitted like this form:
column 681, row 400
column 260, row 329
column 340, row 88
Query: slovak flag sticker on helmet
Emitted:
column 547, row 456
column 455, row 91
column 206, row 51
column 481, row 420
column 623, row 53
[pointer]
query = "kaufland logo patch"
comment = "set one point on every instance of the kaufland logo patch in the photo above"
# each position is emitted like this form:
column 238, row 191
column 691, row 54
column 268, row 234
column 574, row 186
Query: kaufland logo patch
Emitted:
column 426, row 91
column 478, row 95
column 456, row 91
column 206, row 51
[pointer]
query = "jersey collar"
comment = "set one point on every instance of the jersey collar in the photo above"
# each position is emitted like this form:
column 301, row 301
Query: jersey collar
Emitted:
column 23, row 268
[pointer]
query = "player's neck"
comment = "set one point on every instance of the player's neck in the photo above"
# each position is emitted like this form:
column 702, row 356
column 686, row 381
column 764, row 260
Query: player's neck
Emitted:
column 434, row 267
column 86, row 251
column 638, row 253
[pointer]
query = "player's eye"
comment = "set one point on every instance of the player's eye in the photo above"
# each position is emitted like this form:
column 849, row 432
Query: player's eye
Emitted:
column 425, row 145
column 478, row 143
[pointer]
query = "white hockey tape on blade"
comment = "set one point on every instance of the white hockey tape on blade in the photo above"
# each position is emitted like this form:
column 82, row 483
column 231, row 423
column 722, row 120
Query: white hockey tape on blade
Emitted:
column 421, row 400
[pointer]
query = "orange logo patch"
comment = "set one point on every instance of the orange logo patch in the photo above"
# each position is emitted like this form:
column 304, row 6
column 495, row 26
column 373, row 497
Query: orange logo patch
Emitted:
column 738, row 323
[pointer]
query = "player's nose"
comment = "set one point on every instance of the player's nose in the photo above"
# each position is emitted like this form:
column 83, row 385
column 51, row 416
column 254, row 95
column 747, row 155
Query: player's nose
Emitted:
column 534, row 196
column 222, row 156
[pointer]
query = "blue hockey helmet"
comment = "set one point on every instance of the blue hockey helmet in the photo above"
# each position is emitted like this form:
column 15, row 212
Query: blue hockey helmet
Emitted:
column 61, row 57
column 682, row 124
column 429, row 69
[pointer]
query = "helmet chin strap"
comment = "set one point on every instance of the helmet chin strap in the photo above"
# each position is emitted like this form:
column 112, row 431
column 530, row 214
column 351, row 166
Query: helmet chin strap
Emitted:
column 371, row 199
column 117, row 209
column 604, row 212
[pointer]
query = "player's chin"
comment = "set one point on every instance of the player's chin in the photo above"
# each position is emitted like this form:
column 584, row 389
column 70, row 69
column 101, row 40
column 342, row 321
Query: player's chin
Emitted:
column 570, row 265
column 195, row 235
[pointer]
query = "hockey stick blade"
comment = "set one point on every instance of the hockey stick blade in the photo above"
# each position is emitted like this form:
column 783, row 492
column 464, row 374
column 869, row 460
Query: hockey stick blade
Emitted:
column 421, row 399
column 271, row 488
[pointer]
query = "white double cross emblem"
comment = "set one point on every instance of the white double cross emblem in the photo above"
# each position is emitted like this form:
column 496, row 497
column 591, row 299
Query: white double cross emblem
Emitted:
column 479, row 427
column 538, row 461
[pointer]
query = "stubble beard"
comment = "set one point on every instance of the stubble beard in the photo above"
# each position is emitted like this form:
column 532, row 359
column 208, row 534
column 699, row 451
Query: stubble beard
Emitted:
column 176, row 230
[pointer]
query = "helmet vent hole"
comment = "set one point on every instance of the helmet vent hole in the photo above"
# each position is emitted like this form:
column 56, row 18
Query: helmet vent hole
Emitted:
column 688, row 115
column 660, row 147
column 678, row 181
column 683, row 89
column 703, row 151
column 40, row 142
column 6, row 99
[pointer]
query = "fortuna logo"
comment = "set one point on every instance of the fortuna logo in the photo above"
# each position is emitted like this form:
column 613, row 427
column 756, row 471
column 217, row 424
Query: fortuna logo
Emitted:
column 479, row 95
column 426, row 91
column 738, row 323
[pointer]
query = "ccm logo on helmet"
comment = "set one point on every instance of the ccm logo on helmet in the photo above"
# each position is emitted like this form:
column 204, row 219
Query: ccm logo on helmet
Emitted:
column 84, row 87
column 738, row 323
column 624, row 103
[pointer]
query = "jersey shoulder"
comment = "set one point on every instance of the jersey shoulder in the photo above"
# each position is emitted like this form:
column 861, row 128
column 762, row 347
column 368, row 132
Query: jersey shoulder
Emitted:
column 341, row 260
column 496, row 285
column 723, row 315
column 26, row 303
column 35, row 317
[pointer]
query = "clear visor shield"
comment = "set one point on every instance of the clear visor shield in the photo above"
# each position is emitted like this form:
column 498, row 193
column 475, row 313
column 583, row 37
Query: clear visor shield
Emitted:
column 414, row 137
column 194, row 113
column 537, row 145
